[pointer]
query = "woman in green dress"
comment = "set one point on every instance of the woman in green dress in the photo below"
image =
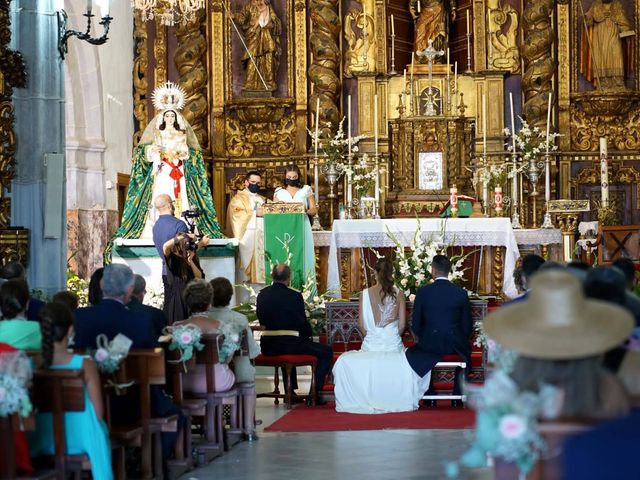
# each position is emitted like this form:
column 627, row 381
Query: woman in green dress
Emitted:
column 15, row 329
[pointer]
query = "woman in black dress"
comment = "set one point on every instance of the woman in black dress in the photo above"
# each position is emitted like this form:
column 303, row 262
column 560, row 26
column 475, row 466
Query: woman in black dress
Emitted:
column 182, row 267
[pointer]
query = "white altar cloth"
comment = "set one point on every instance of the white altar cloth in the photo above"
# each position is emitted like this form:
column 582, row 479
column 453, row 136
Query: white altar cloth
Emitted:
column 457, row 231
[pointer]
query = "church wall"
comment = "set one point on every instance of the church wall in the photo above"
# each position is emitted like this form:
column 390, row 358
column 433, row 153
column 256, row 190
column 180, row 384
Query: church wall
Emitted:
column 99, row 133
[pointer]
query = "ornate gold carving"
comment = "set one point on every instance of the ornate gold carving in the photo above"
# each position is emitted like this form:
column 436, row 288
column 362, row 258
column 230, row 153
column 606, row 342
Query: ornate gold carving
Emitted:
column 564, row 64
column 417, row 207
column 283, row 207
column 190, row 60
column 618, row 174
column 324, row 70
column 355, row 26
column 300, row 22
column 539, row 66
column 612, row 115
column 14, row 246
column 569, row 206
column 261, row 128
column 160, row 53
column 497, row 269
column 567, row 223
column 140, row 81
column 12, row 75
column 345, row 273
column 503, row 25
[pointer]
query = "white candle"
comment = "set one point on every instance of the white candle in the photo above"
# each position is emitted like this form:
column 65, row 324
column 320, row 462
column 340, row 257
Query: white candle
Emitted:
column 404, row 80
column 468, row 31
column 548, row 120
column 375, row 122
column 349, row 123
column 604, row 172
column 448, row 80
column 376, row 186
column 364, row 33
column 317, row 140
column 418, row 6
column 455, row 87
column 393, row 28
column 89, row 6
column 513, row 123
column 484, row 126
column 490, row 46
column 411, row 82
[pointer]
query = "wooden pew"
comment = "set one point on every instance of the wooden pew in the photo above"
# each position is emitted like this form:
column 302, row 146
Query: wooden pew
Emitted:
column 8, row 427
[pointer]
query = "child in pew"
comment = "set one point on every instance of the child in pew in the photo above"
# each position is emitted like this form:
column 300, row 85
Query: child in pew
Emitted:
column 86, row 431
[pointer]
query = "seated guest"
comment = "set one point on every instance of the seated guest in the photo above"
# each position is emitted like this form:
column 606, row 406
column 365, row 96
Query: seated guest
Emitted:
column 67, row 298
column 15, row 329
column 442, row 322
column 235, row 323
column 197, row 298
column 378, row 378
column 136, row 304
column 281, row 308
column 86, row 431
column 530, row 265
column 15, row 271
column 111, row 316
column 95, row 289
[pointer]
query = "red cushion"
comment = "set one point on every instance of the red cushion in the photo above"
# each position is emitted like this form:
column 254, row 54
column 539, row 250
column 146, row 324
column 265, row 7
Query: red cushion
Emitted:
column 328, row 387
column 269, row 360
column 453, row 358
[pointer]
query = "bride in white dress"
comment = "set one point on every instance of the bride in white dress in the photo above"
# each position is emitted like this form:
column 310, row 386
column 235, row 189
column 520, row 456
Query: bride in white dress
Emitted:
column 378, row 377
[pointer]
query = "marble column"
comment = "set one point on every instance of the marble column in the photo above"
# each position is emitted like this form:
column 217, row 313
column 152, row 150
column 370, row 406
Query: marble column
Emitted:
column 39, row 126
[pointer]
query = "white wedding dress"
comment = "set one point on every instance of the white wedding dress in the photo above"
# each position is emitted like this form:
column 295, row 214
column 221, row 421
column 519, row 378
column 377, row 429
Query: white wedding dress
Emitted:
column 378, row 378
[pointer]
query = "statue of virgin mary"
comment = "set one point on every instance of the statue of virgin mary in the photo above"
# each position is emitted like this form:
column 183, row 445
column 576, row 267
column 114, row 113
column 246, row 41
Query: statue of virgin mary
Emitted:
column 168, row 160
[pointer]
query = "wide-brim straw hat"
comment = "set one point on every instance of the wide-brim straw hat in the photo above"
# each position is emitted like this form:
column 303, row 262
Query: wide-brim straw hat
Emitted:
column 558, row 322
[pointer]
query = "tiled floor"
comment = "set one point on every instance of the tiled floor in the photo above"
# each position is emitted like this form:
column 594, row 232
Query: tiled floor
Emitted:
column 377, row 454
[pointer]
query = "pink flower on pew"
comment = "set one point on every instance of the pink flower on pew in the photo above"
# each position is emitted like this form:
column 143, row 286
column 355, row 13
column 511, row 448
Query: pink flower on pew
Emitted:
column 186, row 338
column 512, row 426
column 101, row 355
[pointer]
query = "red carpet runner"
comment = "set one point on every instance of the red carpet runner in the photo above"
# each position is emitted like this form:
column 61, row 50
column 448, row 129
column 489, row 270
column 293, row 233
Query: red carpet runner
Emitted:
column 326, row 419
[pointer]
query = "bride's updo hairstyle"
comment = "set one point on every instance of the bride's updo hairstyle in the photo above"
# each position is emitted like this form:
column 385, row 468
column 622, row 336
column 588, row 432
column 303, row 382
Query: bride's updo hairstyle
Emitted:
column 384, row 270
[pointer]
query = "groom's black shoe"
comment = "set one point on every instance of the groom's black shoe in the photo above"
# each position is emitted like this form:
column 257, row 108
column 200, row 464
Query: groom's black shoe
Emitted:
column 430, row 403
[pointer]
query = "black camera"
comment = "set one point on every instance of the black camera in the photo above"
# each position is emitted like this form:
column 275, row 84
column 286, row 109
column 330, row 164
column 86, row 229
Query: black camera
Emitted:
column 190, row 216
column 191, row 243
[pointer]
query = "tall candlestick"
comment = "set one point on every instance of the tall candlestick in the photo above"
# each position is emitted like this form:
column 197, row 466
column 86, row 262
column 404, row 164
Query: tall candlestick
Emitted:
column 349, row 124
column 604, row 173
column 317, row 140
column 411, row 82
column 468, row 31
column 393, row 28
column 547, row 178
column 513, row 123
column 364, row 33
column 375, row 122
column 484, row 126
column 455, row 87
column 448, row 81
column 548, row 120
column 489, row 43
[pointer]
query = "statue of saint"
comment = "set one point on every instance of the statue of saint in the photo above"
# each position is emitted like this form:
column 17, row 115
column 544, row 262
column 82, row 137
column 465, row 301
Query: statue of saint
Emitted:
column 430, row 18
column 261, row 58
column 602, row 51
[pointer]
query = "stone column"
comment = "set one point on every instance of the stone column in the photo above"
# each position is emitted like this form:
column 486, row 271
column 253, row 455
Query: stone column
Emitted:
column 39, row 112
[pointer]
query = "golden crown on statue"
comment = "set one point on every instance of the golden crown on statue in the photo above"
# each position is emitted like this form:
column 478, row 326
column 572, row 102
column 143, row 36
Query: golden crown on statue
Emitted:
column 169, row 96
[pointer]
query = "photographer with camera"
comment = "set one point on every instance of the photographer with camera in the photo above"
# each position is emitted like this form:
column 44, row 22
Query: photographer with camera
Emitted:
column 181, row 258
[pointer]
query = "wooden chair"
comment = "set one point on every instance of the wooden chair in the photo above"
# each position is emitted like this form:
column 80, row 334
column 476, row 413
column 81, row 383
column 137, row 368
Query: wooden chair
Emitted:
column 213, row 422
column 59, row 392
column 618, row 241
column 8, row 427
column 245, row 390
column 448, row 362
column 287, row 363
column 146, row 367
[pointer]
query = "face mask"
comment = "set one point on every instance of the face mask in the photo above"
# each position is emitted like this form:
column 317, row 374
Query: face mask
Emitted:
column 292, row 182
column 253, row 187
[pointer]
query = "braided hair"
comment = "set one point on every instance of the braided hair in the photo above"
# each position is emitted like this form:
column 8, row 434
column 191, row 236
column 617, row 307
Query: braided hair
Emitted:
column 384, row 269
column 55, row 321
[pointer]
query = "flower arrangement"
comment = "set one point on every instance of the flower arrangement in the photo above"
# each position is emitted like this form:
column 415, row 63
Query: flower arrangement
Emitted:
column 15, row 374
column 336, row 148
column 110, row 354
column 413, row 263
column 532, row 142
column 185, row 338
column 506, row 423
column 231, row 342
column 154, row 298
column 361, row 176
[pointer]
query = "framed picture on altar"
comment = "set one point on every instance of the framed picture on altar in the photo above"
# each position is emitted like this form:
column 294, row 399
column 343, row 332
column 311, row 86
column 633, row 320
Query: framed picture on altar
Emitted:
column 430, row 171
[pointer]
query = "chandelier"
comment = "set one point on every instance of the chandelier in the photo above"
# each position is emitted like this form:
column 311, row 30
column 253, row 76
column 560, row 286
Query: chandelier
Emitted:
column 168, row 11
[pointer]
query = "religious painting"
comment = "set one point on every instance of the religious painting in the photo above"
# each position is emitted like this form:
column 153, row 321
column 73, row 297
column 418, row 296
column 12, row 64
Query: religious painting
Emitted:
column 430, row 171
column 606, row 34
column 260, row 44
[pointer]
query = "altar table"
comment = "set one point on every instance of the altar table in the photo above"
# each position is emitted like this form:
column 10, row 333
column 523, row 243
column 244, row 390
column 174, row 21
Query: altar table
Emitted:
column 457, row 231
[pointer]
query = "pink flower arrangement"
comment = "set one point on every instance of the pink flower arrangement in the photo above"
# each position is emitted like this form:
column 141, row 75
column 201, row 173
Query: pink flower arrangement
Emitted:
column 512, row 426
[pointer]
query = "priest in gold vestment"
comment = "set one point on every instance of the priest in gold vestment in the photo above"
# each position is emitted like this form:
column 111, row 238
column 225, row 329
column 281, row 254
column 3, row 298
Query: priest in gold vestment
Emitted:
column 244, row 222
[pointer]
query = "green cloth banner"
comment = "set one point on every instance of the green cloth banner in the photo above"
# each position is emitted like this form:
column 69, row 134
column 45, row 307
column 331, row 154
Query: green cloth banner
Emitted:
column 284, row 233
column 130, row 251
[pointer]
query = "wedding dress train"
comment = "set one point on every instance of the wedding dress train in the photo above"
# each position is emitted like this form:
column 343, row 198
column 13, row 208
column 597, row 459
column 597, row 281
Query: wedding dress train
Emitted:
column 378, row 377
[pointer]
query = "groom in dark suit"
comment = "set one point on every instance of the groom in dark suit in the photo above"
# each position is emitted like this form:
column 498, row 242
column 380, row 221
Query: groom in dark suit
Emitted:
column 441, row 321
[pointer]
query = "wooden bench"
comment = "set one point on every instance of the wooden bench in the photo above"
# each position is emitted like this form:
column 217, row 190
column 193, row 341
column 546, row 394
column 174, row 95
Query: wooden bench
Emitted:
column 9, row 426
